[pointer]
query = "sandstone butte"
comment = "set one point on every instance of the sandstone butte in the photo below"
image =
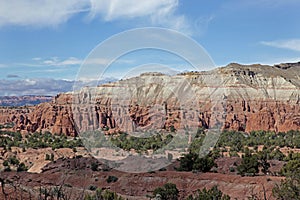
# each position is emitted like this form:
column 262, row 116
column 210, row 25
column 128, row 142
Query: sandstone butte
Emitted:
column 235, row 97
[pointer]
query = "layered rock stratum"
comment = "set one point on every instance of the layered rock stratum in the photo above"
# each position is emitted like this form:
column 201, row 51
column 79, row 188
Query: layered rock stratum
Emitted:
column 235, row 97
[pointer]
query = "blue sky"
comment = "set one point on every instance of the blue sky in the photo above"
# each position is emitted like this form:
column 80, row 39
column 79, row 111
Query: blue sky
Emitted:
column 43, row 42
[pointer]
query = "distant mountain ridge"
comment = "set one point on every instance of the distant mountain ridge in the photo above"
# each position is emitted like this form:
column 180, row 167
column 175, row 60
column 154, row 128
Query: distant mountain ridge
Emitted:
column 23, row 100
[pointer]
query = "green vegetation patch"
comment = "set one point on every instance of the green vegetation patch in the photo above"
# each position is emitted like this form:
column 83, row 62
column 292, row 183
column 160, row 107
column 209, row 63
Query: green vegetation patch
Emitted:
column 10, row 139
column 139, row 144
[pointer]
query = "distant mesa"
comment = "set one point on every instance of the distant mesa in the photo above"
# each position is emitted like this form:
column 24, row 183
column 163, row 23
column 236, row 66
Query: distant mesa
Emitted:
column 29, row 100
column 152, row 74
column 235, row 97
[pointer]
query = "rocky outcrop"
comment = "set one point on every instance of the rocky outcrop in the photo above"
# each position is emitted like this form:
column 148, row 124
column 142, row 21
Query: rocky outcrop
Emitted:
column 235, row 97
column 262, row 115
column 53, row 117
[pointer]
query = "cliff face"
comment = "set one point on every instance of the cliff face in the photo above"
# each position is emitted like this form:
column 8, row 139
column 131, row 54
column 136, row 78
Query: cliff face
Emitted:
column 51, row 117
column 235, row 97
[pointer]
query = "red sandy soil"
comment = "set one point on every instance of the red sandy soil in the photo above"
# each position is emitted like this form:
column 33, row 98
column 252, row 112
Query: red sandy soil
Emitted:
column 76, row 176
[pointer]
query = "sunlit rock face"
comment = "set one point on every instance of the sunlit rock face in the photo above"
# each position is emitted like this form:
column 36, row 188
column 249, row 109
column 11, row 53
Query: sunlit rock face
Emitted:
column 235, row 97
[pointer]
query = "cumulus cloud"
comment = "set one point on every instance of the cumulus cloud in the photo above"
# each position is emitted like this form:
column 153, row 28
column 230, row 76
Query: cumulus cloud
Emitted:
column 34, row 87
column 291, row 44
column 42, row 86
column 52, row 13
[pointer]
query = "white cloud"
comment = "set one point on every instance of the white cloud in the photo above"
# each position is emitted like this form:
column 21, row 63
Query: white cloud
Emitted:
column 201, row 23
column 51, row 13
column 116, row 9
column 39, row 12
column 43, row 86
column 158, row 12
column 53, row 61
column 71, row 61
column 3, row 65
column 291, row 44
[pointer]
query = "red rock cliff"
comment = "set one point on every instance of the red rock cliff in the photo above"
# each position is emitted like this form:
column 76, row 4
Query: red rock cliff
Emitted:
column 244, row 98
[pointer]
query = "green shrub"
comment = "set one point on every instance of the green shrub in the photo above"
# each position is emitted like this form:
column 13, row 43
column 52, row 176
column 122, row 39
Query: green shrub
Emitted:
column 231, row 169
column 92, row 187
column 13, row 160
column 212, row 194
column 291, row 167
column 94, row 166
column 103, row 195
column 111, row 179
column 140, row 144
column 52, row 157
column 5, row 163
column 192, row 162
column 168, row 191
column 22, row 167
column 7, row 169
column 249, row 164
